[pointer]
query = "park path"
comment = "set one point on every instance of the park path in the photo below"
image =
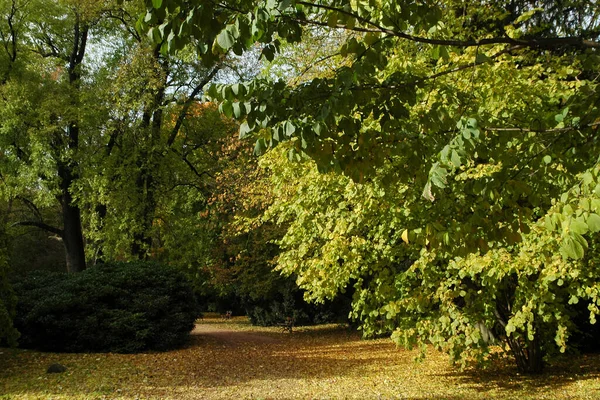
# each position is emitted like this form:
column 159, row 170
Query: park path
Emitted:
column 231, row 337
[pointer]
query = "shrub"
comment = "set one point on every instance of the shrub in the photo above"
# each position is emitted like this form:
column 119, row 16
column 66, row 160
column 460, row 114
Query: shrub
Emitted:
column 116, row 307
column 8, row 334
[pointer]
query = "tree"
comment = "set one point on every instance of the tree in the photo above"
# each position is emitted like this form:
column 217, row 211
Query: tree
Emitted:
column 486, row 116
column 240, row 263
column 94, row 120
column 43, row 122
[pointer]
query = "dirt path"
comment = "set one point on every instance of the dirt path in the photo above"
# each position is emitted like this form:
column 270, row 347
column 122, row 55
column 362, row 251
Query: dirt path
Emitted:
column 231, row 337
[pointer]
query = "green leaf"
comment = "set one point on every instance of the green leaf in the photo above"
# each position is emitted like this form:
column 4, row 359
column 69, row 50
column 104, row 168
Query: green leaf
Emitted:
column 527, row 15
column 573, row 246
column 245, row 130
column 332, row 19
column 455, row 159
column 154, row 35
column 405, row 236
column 212, row 91
column 226, row 108
column 437, row 175
column 482, row 58
column 225, row 39
column 238, row 110
column 445, row 153
column 370, row 38
column 549, row 223
column 579, row 226
column 268, row 52
column 260, row 147
column 238, row 89
column 427, row 192
column 444, row 53
column 319, row 128
column 438, row 181
column 593, row 222
column 289, row 128
column 156, row 3
column 560, row 117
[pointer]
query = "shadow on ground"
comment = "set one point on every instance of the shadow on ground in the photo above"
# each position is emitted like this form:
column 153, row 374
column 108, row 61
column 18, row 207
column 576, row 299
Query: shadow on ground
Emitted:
column 226, row 358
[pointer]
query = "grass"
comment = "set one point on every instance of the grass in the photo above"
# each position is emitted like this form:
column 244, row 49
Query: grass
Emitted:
column 231, row 359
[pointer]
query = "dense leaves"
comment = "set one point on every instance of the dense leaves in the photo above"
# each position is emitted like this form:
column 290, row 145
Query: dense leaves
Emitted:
column 471, row 127
column 116, row 307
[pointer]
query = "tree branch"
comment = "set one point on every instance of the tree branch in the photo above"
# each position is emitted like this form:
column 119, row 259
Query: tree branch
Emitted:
column 188, row 103
column 376, row 28
column 126, row 24
column 40, row 225
column 553, row 130
column 29, row 204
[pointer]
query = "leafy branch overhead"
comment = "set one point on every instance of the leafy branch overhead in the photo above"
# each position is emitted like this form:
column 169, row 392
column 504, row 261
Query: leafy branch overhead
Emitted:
column 472, row 124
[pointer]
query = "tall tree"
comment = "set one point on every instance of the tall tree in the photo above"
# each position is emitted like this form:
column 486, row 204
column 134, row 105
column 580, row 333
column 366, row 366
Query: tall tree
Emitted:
column 151, row 154
column 39, row 136
column 94, row 118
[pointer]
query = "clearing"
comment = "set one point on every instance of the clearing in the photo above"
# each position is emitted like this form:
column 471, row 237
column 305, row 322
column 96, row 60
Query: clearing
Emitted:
column 231, row 359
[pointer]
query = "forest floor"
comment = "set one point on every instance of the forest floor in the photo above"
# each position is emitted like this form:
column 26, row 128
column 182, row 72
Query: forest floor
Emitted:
column 233, row 360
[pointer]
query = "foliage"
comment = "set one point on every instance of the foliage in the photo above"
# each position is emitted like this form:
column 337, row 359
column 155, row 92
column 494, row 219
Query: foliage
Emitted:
column 474, row 123
column 342, row 236
column 116, row 307
column 288, row 302
column 47, row 122
column 96, row 126
column 238, row 274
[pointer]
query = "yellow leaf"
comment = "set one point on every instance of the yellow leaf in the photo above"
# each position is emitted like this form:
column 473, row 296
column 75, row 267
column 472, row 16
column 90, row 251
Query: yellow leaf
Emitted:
column 405, row 236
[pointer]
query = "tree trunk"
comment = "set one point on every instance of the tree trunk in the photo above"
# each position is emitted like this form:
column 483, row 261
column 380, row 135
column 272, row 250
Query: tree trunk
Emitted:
column 73, row 238
column 72, row 231
column 145, row 183
column 142, row 240
column 67, row 171
column 528, row 354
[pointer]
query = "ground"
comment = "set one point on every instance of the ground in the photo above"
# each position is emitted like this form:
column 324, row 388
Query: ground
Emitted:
column 232, row 360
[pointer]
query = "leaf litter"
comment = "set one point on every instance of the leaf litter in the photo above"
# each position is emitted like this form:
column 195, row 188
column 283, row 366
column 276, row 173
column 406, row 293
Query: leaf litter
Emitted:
column 232, row 359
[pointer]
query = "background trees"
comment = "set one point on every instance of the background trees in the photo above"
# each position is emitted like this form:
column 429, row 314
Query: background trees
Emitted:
column 94, row 121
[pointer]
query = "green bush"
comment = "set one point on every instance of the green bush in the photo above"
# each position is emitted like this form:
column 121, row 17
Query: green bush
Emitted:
column 8, row 301
column 116, row 307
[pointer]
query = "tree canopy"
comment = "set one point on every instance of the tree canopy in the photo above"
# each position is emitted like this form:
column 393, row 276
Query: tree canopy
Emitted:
column 95, row 126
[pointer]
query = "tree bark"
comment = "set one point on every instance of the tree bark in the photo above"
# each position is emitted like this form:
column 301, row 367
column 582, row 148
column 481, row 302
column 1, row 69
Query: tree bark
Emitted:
column 72, row 230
